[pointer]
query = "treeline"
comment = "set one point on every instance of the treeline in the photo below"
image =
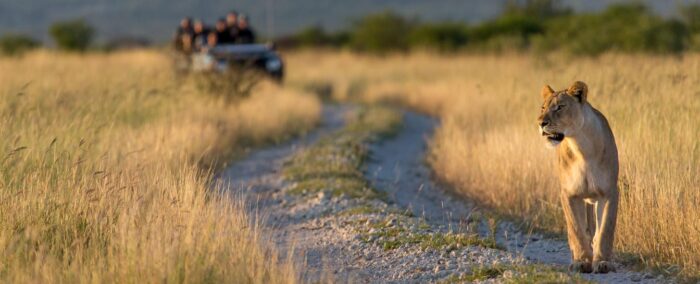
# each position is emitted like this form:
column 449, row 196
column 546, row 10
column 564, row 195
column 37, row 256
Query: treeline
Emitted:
column 70, row 35
column 76, row 35
column 536, row 25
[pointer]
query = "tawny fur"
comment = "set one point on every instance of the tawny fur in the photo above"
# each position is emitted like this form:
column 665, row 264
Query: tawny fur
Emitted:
column 588, row 173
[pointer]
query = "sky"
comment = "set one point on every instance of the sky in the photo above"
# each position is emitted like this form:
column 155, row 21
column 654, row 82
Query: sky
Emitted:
column 157, row 19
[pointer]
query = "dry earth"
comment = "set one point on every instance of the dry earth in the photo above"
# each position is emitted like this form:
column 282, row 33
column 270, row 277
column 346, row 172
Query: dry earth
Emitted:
column 417, row 231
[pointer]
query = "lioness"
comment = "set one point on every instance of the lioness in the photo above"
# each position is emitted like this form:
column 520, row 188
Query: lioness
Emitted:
column 588, row 170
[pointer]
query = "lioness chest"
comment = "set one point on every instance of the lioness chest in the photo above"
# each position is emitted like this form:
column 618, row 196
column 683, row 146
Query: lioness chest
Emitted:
column 579, row 177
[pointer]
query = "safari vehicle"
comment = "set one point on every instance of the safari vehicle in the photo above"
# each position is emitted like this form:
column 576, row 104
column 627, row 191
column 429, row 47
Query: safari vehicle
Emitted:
column 222, row 58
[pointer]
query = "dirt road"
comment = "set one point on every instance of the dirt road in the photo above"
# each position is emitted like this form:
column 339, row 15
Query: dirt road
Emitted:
column 418, row 232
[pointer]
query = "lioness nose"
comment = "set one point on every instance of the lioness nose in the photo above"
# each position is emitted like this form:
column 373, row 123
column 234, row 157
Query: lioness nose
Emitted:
column 544, row 123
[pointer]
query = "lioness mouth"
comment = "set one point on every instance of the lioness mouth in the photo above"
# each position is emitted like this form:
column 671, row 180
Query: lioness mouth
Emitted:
column 558, row 137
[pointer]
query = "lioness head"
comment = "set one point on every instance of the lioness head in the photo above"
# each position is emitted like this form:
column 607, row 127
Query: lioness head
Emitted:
column 562, row 112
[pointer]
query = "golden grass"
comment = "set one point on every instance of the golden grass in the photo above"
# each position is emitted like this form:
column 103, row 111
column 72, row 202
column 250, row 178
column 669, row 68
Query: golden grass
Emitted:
column 102, row 181
column 488, row 146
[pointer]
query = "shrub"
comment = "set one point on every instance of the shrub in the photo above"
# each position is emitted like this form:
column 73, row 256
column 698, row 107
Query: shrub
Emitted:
column 317, row 36
column 381, row 33
column 623, row 28
column 16, row 44
column 524, row 24
column 690, row 16
column 73, row 35
column 442, row 36
column 512, row 25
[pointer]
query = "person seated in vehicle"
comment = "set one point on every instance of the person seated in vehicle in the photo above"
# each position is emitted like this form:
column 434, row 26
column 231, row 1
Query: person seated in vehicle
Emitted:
column 199, row 36
column 232, row 24
column 245, row 33
column 212, row 41
column 183, row 36
column 222, row 33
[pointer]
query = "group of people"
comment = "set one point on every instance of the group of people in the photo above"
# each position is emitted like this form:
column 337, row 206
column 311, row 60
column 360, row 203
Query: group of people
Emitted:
column 195, row 36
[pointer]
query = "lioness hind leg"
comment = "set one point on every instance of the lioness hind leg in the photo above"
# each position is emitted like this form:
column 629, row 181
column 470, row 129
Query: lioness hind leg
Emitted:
column 591, row 220
column 605, row 235
column 577, row 227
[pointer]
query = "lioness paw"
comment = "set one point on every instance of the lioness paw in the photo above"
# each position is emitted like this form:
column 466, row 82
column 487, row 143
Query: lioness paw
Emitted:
column 603, row 267
column 581, row 267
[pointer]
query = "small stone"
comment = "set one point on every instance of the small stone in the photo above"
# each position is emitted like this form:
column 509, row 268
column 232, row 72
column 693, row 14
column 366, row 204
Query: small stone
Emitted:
column 648, row 275
column 635, row 278
column 451, row 265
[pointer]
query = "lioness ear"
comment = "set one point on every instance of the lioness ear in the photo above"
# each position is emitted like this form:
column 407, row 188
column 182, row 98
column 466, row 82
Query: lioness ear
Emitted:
column 579, row 90
column 547, row 91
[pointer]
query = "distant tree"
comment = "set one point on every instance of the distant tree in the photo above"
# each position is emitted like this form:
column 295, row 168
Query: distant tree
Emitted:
column 540, row 9
column 312, row 36
column 382, row 32
column 441, row 37
column 74, row 35
column 690, row 16
column 16, row 44
column 627, row 27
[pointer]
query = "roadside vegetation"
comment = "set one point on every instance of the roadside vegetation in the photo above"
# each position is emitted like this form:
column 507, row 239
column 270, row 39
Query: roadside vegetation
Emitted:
column 488, row 147
column 106, row 172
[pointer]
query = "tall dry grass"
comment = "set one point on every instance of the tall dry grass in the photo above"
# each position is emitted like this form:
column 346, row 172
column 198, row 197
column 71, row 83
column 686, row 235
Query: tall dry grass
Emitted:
column 101, row 177
column 488, row 146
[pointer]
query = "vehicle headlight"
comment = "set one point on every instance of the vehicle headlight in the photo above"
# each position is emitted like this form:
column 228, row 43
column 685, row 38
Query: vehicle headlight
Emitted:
column 221, row 65
column 207, row 60
column 202, row 62
column 273, row 64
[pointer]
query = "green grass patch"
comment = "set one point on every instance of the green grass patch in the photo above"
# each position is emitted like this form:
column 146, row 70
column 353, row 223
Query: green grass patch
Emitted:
column 352, row 187
column 524, row 273
column 334, row 164
column 359, row 210
column 393, row 236
column 367, row 209
column 396, row 238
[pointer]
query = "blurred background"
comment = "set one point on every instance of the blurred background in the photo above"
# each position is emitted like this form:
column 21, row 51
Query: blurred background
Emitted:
column 657, row 26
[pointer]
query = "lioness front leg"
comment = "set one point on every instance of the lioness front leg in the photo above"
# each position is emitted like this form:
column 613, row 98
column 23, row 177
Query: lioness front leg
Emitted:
column 606, row 213
column 576, row 227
